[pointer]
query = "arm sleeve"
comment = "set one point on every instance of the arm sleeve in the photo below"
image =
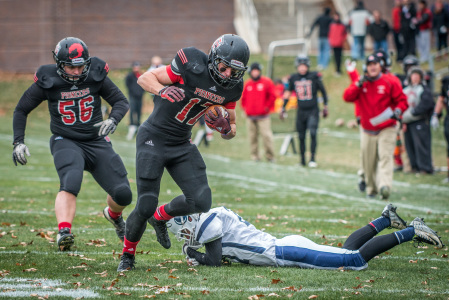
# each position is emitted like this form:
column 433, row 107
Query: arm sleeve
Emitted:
column 322, row 89
column 112, row 94
column 32, row 97
column 351, row 94
column 425, row 106
column 213, row 254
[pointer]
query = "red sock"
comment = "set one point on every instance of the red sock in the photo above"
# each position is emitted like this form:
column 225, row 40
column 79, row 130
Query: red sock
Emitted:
column 64, row 225
column 130, row 247
column 160, row 214
column 114, row 215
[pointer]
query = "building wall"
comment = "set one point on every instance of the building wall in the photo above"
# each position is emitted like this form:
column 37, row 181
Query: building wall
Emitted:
column 117, row 31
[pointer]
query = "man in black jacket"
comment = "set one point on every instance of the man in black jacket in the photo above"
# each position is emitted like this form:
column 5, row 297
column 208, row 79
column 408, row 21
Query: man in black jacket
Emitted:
column 379, row 31
column 323, row 21
column 135, row 93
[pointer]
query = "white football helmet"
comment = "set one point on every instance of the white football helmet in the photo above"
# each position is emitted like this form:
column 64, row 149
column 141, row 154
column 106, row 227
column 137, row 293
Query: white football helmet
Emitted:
column 184, row 229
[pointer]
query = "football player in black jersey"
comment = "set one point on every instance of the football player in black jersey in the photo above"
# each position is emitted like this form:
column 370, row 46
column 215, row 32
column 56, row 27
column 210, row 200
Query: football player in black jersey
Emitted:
column 72, row 88
column 306, row 84
column 184, row 90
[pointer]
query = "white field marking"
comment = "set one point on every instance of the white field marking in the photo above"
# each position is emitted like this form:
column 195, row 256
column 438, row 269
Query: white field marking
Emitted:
column 42, row 287
column 154, row 253
column 339, row 196
column 306, row 289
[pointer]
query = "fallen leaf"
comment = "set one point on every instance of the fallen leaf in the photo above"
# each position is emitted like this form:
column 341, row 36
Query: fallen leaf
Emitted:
column 205, row 292
column 30, row 270
column 313, row 297
column 275, row 281
column 273, row 295
column 76, row 275
column 172, row 270
column 173, row 277
column 122, row 294
column 413, row 261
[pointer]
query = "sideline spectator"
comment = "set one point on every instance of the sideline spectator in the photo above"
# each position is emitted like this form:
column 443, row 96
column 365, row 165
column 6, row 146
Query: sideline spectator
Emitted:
column 337, row 38
column 416, row 122
column 306, row 84
column 359, row 19
column 424, row 24
column 443, row 102
column 380, row 101
column 408, row 28
column 135, row 93
column 379, row 30
column 440, row 25
column 156, row 62
column 323, row 21
column 397, row 37
column 257, row 101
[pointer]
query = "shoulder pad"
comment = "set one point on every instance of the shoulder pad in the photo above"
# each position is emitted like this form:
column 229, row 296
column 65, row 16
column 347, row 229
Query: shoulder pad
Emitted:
column 192, row 59
column 209, row 228
column 45, row 76
column 315, row 74
column 99, row 69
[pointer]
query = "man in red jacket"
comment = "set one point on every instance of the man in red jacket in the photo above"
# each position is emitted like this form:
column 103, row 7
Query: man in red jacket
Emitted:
column 380, row 103
column 257, row 101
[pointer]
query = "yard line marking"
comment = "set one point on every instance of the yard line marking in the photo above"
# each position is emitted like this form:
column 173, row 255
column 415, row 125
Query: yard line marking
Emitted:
column 344, row 197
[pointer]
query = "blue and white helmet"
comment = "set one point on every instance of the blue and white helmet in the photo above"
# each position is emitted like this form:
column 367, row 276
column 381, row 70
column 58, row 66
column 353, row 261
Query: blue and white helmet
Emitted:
column 184, row 228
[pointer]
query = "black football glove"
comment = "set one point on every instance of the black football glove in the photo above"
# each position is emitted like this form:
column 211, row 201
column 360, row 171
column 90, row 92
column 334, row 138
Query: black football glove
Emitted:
column 219, row 123
column 18, row 153
column 106, row 127
column 362, row 80
column 172, row 93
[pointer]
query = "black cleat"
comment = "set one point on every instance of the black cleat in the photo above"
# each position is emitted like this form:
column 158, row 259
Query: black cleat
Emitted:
column 161, row 232
column 127, row 262
column 65, row 239
column 118, row 223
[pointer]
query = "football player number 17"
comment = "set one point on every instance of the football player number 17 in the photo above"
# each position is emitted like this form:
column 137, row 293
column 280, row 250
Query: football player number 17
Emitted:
column 182, row 115
column 68, row 115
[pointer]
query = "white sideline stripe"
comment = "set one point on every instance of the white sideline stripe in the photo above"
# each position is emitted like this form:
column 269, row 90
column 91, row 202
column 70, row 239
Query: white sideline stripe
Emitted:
column 318, row 191
column 87, row 254
column 24, row 287
column 306, row 289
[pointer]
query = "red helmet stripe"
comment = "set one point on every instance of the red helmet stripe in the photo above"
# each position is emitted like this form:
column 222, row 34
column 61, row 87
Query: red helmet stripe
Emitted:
column 182, row 56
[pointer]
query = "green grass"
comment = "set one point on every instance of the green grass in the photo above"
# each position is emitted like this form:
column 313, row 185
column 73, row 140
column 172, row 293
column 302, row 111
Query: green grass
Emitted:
column 322, row 204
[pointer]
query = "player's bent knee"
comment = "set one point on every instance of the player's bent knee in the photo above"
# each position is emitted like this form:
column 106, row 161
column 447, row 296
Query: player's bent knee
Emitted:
column 203, row 201
column 70, row 181
column 123, row 195
column 146, row 205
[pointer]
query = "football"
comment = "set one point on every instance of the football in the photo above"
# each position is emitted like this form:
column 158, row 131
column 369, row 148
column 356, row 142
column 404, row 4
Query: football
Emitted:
column 220, row 110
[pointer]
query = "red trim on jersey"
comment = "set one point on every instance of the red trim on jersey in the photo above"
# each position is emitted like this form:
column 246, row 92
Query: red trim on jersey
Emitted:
column 173, row 77
column 35, row 78
column 106, row 67
column 182, row 56
column 230, row 105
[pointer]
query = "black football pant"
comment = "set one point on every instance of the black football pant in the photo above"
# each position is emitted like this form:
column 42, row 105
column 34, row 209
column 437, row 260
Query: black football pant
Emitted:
column 307, row 120
column 98, row 157
column 418, row 145
column 135, row 110
column 183, row 161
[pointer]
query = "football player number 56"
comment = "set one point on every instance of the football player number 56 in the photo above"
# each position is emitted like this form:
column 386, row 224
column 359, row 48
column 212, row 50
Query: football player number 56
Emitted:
column 67, row 112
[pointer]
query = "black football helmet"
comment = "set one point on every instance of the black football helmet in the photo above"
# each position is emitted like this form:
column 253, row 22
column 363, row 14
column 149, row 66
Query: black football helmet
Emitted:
column 302, row 60
column 385, row 59
column 72, row 51
column 233, row 51
column 409, row 61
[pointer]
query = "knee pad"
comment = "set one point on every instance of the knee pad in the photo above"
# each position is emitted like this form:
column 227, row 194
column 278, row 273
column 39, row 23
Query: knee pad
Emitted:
column 70, row 171
column 122, row 195
column 146, row 205
column 203, row 200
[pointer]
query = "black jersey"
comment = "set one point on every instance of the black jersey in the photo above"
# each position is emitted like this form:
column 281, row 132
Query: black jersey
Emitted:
column 306, row 88
column 74, row 109
column 445, row 93
column 177, row 118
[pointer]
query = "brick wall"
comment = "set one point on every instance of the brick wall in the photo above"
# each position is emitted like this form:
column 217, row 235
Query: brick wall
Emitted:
column 117, row 31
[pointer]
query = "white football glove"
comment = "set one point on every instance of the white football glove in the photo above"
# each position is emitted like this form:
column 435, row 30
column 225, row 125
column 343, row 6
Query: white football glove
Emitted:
column 192, row 262
column 18, row 154
column 106, row 127
column 434, row 122
column 350, row 65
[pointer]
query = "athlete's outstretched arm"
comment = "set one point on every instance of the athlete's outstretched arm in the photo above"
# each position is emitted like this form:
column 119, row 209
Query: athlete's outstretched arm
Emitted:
column 213, row 254
column 155, row 80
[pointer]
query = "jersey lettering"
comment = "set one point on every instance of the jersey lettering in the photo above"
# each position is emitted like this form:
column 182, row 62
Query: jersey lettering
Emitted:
column 182, row 115
column 68, row 115
column 303, row 90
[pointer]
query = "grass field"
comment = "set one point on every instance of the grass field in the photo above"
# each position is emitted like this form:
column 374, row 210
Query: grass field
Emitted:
column 322, row 204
